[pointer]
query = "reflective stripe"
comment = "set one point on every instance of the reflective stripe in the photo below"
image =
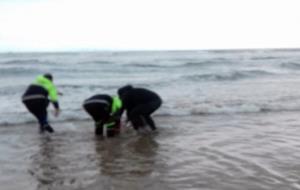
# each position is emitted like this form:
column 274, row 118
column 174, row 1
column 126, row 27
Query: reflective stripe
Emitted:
column 109, row 125
column 96, row 101
column 32, row 97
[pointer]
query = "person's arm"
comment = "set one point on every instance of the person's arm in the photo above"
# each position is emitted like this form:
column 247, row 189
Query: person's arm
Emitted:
column 117, row 108
column 53, row 95
column 56, row 110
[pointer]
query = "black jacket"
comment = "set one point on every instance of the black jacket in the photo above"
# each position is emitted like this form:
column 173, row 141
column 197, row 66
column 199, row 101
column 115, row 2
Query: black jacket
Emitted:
column 138, row 96
column 41, row 92
column 105, row 99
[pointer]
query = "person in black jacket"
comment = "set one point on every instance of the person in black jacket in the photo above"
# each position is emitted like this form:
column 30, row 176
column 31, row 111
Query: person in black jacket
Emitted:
column 139, row 104
column 105, row 111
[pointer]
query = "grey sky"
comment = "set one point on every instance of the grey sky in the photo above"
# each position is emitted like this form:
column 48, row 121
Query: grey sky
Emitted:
column 54, row 25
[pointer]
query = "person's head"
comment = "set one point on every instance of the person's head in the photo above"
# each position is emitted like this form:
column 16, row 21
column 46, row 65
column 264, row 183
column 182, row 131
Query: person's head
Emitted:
column 48, row 76
column 123, row 90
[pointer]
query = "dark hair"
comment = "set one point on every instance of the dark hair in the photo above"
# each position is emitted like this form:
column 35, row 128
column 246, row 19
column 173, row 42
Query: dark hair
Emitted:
column 123, row 90
column 48, row 76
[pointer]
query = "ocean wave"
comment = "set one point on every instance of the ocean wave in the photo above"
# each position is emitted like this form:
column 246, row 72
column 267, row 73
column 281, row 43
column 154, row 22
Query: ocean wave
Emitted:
column 291, row 65
column 199, row 63
column 10, row 119
column 251, row 110
column 96, row 62
column 265, row 57
column 215, row 77
column 231, row 76
column 217, row 110
column 208, row 62
column 89, row 86
column 180, row 64
column 149, row 65
column 25, row 62
column 17, row 71
column 12, row 90
column 108, row 87
column 78, row 115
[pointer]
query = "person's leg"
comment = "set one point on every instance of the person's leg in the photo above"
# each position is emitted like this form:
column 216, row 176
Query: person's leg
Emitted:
column 148, row 110
column 99, row 115
column 44, row 116
column 111, row 132
column 41, row 117
column 136, row 118
column 150, row 122
column 38, row 107
column 98, row 128
column 141, row 115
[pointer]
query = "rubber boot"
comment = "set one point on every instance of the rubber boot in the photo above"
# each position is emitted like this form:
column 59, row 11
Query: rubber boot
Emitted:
column 48, row 128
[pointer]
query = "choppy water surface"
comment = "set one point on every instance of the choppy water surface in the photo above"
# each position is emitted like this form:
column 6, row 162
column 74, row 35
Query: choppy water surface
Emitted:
column 190, row 82
column 208, row 152
column 230, row 121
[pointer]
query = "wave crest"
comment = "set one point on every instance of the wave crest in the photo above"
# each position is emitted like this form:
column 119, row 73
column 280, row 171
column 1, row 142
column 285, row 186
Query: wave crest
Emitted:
column 291, row 65
column 231, row 76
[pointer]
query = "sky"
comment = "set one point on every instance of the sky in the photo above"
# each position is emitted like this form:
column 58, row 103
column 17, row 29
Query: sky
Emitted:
column 70, row 25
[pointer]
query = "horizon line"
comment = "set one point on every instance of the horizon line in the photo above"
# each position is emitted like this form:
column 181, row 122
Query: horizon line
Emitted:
column 142, row 50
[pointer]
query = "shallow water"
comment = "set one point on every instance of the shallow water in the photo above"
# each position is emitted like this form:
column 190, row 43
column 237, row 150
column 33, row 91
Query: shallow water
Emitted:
column 215, row 152
column 230, row 121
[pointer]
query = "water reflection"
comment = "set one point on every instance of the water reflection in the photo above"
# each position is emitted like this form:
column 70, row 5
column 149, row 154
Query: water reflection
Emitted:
column 122, row 156
column 44, row 167
column 129, row 162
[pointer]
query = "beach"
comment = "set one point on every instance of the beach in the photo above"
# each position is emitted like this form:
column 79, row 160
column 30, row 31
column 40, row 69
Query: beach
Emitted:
column 207, row 152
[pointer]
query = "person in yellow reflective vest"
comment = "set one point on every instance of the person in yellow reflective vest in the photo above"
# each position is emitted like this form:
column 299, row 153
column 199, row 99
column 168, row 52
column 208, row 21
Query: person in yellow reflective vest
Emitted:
column 105, row 111
column 37, row 97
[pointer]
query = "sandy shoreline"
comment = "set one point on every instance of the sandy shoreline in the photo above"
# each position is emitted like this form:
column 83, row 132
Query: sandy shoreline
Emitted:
column 208, row 152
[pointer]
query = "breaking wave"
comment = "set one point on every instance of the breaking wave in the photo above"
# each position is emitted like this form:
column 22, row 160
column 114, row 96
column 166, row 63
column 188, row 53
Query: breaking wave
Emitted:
column 230, row 76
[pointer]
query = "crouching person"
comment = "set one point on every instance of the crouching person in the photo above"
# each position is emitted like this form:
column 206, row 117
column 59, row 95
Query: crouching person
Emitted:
column 106, row 113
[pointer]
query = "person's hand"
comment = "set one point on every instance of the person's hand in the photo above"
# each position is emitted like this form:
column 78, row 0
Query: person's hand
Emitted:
column 56, row 112
column 127, row 123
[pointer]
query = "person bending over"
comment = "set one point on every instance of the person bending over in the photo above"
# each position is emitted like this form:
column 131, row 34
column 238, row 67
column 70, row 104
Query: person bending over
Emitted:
column 139, row 104
column 105, row 111
column 36, row 100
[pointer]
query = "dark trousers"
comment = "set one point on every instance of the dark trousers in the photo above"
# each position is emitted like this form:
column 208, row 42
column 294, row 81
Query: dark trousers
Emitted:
column 38, row 107
column 100, row 114
column 141, row 114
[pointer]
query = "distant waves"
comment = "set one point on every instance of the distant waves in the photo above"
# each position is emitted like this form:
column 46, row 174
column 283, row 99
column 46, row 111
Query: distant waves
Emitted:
column 189, row 82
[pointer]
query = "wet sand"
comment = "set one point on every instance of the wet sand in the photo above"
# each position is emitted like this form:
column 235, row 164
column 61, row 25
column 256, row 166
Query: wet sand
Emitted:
column 215, row 152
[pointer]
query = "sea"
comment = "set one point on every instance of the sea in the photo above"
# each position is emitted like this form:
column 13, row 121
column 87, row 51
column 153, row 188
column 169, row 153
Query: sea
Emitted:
column 229, row 120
